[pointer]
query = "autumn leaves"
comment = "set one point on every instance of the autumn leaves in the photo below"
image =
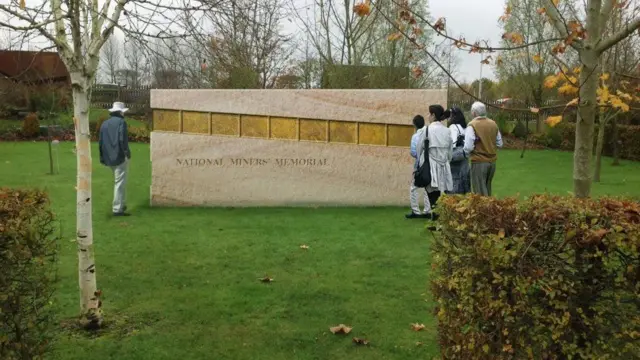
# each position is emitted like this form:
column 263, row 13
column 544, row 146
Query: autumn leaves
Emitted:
column 567, row 84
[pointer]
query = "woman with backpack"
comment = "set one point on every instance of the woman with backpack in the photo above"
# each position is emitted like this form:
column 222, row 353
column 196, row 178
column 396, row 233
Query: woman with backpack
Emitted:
column 460, row 170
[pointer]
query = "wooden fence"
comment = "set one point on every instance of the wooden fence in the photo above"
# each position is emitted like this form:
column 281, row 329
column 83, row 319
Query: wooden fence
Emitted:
column 136, row 98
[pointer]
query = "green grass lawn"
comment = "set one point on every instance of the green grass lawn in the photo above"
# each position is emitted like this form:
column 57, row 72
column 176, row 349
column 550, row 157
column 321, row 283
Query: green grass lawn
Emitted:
column 183, row 283
column 66, row 120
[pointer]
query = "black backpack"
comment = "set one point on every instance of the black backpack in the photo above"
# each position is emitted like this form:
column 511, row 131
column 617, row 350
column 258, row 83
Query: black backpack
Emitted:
column 422, row 176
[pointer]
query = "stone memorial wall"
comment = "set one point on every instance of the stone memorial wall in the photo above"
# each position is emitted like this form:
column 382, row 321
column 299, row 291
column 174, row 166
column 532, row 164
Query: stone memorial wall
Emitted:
column 284, row 147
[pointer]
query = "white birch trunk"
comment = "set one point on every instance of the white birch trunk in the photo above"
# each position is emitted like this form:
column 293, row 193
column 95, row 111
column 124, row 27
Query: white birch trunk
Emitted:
column 90, row 312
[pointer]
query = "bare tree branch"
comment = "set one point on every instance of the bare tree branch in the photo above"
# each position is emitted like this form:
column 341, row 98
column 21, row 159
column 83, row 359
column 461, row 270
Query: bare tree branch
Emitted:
column 625, row 31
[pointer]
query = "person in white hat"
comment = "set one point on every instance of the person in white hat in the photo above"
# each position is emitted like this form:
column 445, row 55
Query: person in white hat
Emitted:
column 115, row 153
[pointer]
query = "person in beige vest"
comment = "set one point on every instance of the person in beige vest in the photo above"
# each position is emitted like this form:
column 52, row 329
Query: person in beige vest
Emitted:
column 481, row 142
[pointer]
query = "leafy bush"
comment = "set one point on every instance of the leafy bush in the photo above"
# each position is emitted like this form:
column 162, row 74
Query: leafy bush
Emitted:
column 27, row 274
column 138, row 134
column 562, row 137
column 502, row 120
column 547, row 278
column 98, row 124
column 31, row 125
column 520, row 130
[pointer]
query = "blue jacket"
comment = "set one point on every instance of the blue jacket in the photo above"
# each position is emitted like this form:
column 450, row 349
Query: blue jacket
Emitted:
column 414, row 144
column 114, row 141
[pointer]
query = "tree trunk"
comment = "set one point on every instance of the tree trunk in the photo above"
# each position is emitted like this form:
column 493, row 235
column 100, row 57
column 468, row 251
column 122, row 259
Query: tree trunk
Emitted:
column 585, row 124
column 599, row 146
column 89, row 302
column 616, row 149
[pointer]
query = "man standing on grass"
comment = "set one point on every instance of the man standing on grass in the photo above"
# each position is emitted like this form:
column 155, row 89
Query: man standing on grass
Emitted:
column 481, row 140
column 115, row 153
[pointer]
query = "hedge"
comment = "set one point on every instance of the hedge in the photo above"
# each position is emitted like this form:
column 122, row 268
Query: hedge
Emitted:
column 28, row 247
column 547, row 278
column 563, row 137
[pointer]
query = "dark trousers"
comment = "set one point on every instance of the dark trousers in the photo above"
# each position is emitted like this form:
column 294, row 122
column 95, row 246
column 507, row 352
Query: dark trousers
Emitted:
column 481, row 177
column 433, row 197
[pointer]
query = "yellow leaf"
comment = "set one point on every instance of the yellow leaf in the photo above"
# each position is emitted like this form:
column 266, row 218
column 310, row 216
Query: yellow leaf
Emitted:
column 485, row 348
column 534, row 110
column 556, row 2
column 567, row 89
column 553, row 120
column 603, row 95
column 501, row 233
column 604, row 77
column 22, row 4
column 363, row 8
column 624, row 95
column 537, row 58
column 573, row 102
column 577, row 70
column 572, row 79
column 394, row 36
column 550, row 81
column 617, row 103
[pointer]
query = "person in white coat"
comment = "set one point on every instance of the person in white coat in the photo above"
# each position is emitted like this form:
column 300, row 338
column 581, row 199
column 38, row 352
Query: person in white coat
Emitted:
column 440, row 155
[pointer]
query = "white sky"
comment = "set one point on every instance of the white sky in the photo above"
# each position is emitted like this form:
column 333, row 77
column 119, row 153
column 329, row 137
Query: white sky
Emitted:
column 473, row 19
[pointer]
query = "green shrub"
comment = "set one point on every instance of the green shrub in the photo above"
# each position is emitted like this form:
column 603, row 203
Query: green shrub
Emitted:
column 520, row 130
column 98, row 124
column 27, row 274
column 502, row 120
column 31, row 125
column 562, row 137
column 138, row 134
column 547, row 278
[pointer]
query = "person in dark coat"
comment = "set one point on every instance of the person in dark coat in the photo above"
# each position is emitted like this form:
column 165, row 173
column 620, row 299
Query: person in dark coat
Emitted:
column 115, row 153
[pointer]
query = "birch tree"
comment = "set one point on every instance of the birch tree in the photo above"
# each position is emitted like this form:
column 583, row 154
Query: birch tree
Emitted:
column 582, row 32
column 78, row 29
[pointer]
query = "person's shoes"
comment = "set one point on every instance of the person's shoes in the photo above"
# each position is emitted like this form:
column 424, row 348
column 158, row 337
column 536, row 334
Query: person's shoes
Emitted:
column 121, row 214
column 413, row 216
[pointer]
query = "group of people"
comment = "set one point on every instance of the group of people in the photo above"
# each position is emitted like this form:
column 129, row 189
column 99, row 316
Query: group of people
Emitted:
column 462, row 157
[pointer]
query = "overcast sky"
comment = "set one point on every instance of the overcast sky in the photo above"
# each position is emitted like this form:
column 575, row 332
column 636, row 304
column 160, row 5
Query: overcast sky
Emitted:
column 473, row 19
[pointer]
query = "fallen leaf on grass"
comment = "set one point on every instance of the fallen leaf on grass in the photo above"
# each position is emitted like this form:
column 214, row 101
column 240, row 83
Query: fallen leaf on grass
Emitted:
column 304, row 247
column 359, row 341
column 417, row 327
column 419, row 343
column 340, row 329
column 266, row 279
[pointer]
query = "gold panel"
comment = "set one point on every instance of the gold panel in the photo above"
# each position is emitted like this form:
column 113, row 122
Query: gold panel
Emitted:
column 372, row 134
column 313, row 130
column 166, row 120
column 284, row 128
column 400, row 135
column 195, row 122
column 254, row 126
column 224, row 124
column 343, row 132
